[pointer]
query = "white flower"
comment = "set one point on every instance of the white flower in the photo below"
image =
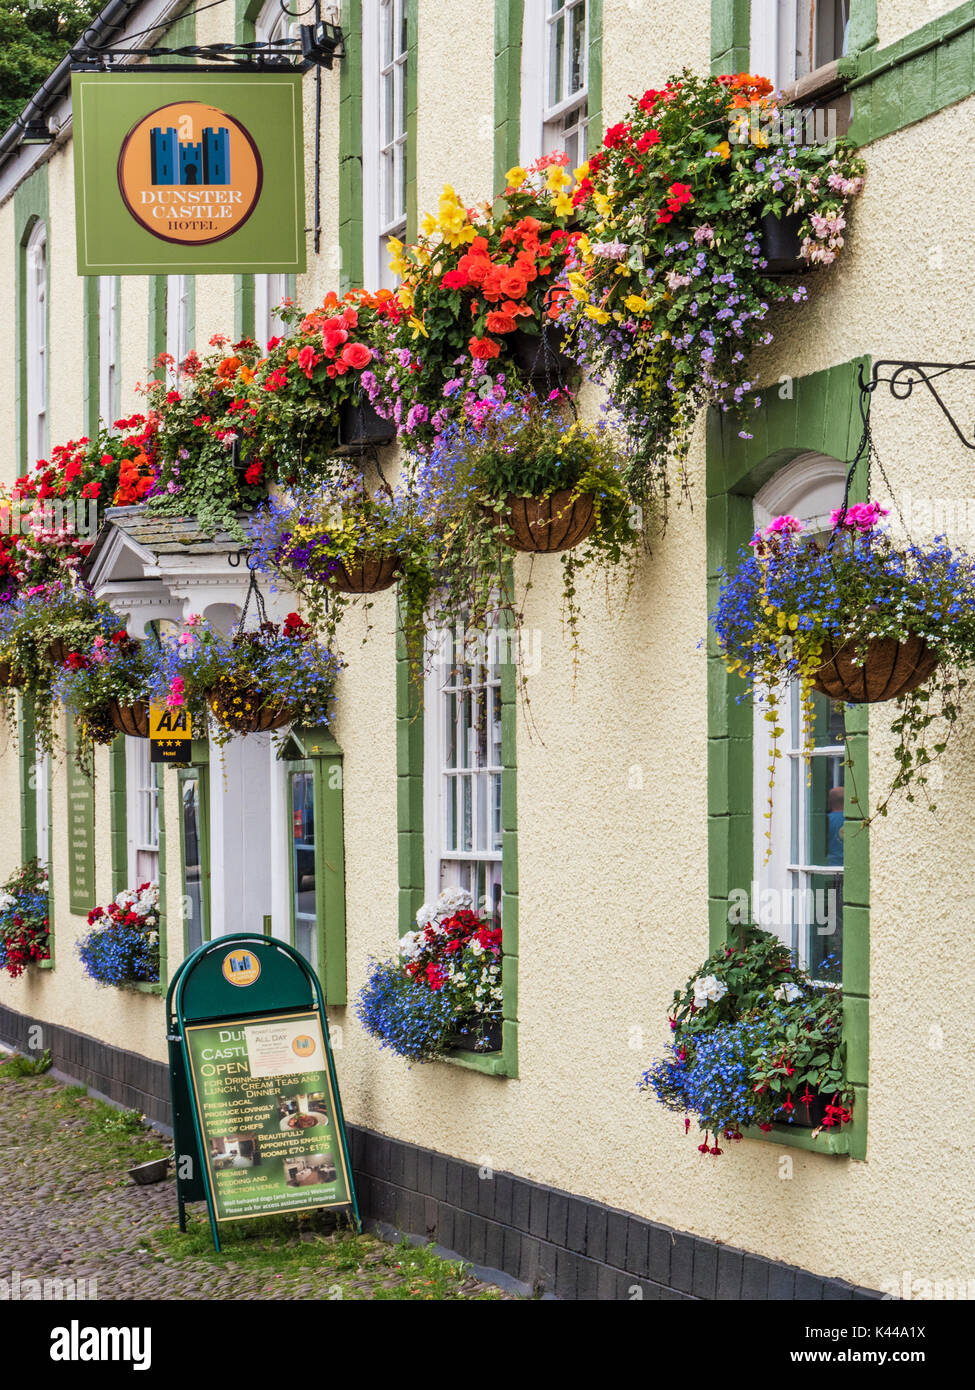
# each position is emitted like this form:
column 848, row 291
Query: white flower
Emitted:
column 476, row 947
column 6, row 900
column 789, row 992
column 708, row 989
column 425, row 915
column 453, row 900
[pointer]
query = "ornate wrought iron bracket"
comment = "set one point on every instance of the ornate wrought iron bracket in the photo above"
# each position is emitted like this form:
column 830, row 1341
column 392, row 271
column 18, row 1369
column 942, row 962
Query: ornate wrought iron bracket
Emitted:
column 905, row 376
column 316, row 45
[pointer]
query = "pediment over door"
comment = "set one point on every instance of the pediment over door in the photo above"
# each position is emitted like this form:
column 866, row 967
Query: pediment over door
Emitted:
column 151, row 568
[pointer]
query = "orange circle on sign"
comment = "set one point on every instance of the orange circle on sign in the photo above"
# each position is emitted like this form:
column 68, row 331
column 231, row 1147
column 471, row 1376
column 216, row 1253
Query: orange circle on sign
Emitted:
column 189, row 173
column 303, row 1045
column 241, row 967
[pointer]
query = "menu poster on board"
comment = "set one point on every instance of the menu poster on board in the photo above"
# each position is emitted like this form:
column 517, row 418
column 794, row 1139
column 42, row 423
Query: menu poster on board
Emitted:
column 267, row 1115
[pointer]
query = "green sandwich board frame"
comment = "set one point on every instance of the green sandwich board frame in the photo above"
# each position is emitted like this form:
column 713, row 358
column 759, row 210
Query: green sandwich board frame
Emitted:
column 276, row 986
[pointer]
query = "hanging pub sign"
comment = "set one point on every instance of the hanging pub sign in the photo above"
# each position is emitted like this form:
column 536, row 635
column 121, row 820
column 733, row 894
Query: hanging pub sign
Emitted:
column 170, row 734
column 257, row 1116
column 188, row 173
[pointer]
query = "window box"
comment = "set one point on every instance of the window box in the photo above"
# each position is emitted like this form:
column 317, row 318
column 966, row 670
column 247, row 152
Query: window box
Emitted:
column 361, row 427
column 477, row 1034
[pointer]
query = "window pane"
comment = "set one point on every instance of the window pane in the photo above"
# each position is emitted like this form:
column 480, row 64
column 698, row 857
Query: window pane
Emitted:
column 823, row 915
column 303, row 862
column 577, row 49
column 192, row 864
column 556, row 87
column 824, row 810
column 828, row 729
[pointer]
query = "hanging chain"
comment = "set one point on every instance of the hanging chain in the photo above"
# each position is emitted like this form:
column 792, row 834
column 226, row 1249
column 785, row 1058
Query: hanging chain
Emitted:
column 253, row 592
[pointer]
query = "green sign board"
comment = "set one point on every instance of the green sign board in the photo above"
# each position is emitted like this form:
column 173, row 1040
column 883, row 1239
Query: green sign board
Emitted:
column 256, row 1109
column 266, row 1111
column 188, row 173
column 81, row 831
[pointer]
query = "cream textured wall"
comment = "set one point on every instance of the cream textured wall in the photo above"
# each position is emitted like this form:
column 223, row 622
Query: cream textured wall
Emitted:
column 896, row 18
column 612, row 784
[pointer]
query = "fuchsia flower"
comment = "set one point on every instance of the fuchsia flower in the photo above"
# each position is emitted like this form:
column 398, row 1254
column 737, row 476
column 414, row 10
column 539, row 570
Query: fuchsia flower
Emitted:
column 177, row 690
column 863, row 516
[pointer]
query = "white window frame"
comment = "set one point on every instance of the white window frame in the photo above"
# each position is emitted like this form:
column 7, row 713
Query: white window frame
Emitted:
column 142, row 796
column 773, row 39
column 544, row 124
column 109, row 396
column 269, row 290
column 36, row 345
column 380, row 156
column 177, row 320
column 42, row 811
column 444, row 865
column 811, row 487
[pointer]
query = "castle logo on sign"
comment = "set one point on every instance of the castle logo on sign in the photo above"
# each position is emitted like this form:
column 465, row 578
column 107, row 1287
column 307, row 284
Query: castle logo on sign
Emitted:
column 189, row 173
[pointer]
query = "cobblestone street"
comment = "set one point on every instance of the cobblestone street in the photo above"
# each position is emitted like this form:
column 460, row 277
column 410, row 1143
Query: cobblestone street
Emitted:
column 70, row 1212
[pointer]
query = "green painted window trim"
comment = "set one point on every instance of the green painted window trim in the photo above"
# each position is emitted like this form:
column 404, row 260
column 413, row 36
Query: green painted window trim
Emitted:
column 594, row 130
column 92, row 366
column 26, row 760
column 350, row 148
column 82, row 889
column 821, row 416
column 118, row 815
column 924, row 72
column 509, row 21
column 315, row 751
column 163, row 919
column 31, row 205
column 412, row 886
column 201, row 771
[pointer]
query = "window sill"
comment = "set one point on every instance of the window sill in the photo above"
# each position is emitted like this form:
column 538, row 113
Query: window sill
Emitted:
column 826, row 1142
column 142, row 987
column 44, row 964
column 487, row 1063
column 825, row 87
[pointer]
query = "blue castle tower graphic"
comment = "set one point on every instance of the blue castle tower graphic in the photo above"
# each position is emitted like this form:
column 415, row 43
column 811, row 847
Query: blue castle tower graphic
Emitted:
column 190, row 163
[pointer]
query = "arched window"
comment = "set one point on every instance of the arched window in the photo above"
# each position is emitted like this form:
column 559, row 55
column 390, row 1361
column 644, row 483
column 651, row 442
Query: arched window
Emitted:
column 799, row 852
column 35, row 355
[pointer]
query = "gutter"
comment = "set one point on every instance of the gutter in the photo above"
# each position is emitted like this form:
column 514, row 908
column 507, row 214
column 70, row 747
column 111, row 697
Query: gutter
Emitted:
column 105, row 24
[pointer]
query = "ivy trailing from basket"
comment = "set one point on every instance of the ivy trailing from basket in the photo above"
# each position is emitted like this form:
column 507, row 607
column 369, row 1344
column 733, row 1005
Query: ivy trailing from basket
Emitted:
column 474, row 487
column 752, row 1038
column 37, row 631
column 339, row 543
column 827, row 612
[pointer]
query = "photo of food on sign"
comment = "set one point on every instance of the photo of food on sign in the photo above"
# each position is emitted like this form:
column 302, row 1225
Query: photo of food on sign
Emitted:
column 302, row 1112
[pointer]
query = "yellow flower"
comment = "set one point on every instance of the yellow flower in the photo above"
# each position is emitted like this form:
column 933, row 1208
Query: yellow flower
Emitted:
column 557, row 178
column 636, row 304
column 405, row 296
column 562, row 205
column 417, row 326
column 397, row 264
column 593, row 311
column 581, row 173
column 429, row 224
column 724, row 149
column 603, row 205
column 584, row 247
column 516, row 177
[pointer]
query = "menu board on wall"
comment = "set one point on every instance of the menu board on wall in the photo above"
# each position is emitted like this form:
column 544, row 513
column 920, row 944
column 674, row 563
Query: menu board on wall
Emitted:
column 267, row 1114
column 81, row 832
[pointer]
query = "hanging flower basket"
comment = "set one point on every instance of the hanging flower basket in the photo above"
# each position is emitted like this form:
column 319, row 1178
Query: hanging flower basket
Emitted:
column 367, row 575
column 780, row 243
column 541, row 359
column 132, row 720
column 883, row 670
column 545, row 525
column 246, row 710
column 361, row 427
column 8, row 677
